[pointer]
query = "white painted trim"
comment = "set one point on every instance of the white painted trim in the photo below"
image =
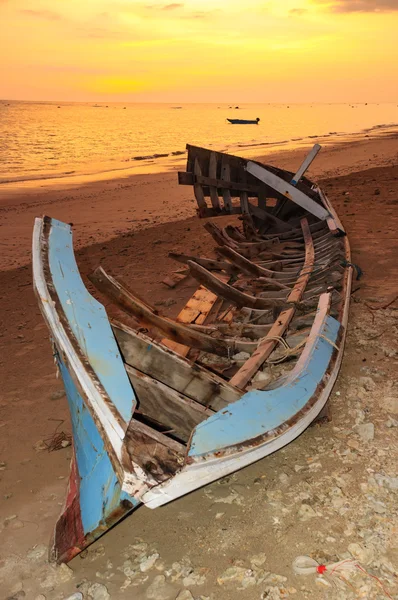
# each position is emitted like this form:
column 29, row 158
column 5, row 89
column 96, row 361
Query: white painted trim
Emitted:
column 288, row 190
column 305, row 164
column 93, row 396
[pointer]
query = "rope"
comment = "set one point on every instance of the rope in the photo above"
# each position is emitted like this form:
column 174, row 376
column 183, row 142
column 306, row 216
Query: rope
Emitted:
column 289, row 351
column 305, row 565
column 358, row 270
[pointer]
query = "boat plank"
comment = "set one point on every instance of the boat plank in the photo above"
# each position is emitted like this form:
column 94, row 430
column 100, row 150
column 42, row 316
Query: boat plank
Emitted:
column 267, row 345
column 177, row 372
column 215, row 201
column 166, row 406
column 197, row 188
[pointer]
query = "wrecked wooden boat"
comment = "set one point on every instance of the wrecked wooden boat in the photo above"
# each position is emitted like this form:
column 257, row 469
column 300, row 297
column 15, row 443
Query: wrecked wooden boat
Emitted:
column 169, row 405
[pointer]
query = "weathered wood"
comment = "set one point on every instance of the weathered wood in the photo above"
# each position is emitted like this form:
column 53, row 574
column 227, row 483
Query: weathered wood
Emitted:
column 173, row 410
column 219, row 236
column 288, row 190
column 209, row 263
column 196, row 310
column 197, row 188
column 174, row 279
column 215, row 201
column 305, row 164
column 173, row 330
column 226, row 178
column 177, row 372
column 247, row 266
column 158, row 455
column 227, row 292
column 266, row 346
column 244, row 203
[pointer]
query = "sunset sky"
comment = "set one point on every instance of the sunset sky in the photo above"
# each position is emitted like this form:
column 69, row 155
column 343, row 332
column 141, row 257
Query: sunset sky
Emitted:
column 199, row 50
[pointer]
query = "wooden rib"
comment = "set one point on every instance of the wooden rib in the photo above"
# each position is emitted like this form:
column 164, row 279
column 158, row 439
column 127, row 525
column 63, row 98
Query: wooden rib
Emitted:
column 171, row 409
column 209, row 263
column 266, row 347
column 247, row 266
column 218, row 235
column 226, row 178
column 197, row 188
column 173, row 330
column 227, row 292
column 215, row 201
column 244, row 203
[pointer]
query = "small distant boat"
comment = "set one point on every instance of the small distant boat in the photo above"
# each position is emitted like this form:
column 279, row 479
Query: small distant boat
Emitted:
column 244, row 121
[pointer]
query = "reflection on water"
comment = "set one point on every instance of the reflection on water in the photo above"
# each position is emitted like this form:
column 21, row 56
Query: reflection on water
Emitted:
column 38, row 140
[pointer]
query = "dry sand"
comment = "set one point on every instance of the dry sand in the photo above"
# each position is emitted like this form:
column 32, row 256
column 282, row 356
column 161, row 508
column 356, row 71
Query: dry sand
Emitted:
column 129, row 225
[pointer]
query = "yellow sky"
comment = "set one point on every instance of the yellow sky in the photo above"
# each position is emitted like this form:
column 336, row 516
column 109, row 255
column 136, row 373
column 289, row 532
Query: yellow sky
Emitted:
column 199, row 50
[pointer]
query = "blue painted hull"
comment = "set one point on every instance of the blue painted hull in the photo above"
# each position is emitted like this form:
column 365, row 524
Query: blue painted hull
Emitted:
column 120, row 462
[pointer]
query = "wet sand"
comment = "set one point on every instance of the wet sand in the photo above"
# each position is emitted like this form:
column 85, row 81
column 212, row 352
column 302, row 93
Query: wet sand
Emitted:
column 129, row 226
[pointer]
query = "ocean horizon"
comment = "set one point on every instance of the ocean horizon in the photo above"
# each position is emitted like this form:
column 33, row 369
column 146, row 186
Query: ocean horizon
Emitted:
column 49, row 139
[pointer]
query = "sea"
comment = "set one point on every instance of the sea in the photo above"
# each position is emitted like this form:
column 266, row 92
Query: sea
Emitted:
column 45, row 140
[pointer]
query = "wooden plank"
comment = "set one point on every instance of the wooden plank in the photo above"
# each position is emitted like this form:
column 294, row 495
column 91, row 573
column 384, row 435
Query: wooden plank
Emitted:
column 175, row 411
column 219, row 236
column 197, row 188
column 174, row 330
column 215, row 201
column 177, row 372
column 262, row 199
column 267, row 346
column 226, row 177
column 244, row 203
column 305, row 164
column 249, row 267
column 228, row 292
column 158, row 455
column 212, row 264
column 286, row 189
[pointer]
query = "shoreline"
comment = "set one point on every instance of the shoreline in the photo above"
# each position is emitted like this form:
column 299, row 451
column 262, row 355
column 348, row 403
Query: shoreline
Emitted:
column 105, row 208
column 163, row 163
column 33, row 482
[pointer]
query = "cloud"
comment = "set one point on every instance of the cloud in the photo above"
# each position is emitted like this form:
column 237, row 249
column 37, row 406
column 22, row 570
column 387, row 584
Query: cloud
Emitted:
column 41, row 14
column 172, row 6
column 298, row 11
column 364, row 6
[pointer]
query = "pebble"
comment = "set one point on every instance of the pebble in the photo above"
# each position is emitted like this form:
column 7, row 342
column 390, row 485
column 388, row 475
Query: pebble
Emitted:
column 306, row 512
column 185, row 595
column 98, row 591
column 361, row 553
column 42, row 597
column 57, row 395
column 54, row 576
column 37, row 552
column 75, row 596
column 39, row 446
column 233, row 574
column 258, row 560
column 194, row 579
column 366, row 431
column 160, row 590
column 148, row 562
column 390, row 403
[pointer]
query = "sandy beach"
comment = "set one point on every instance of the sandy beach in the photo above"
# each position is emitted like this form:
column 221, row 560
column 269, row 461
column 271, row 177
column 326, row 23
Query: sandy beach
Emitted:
column 253, row 518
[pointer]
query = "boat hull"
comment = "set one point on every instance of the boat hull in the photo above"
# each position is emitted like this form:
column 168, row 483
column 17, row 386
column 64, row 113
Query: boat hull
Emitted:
column 119, row 461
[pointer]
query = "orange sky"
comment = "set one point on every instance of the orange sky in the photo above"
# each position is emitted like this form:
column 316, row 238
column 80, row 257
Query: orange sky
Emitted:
column 199, row 50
